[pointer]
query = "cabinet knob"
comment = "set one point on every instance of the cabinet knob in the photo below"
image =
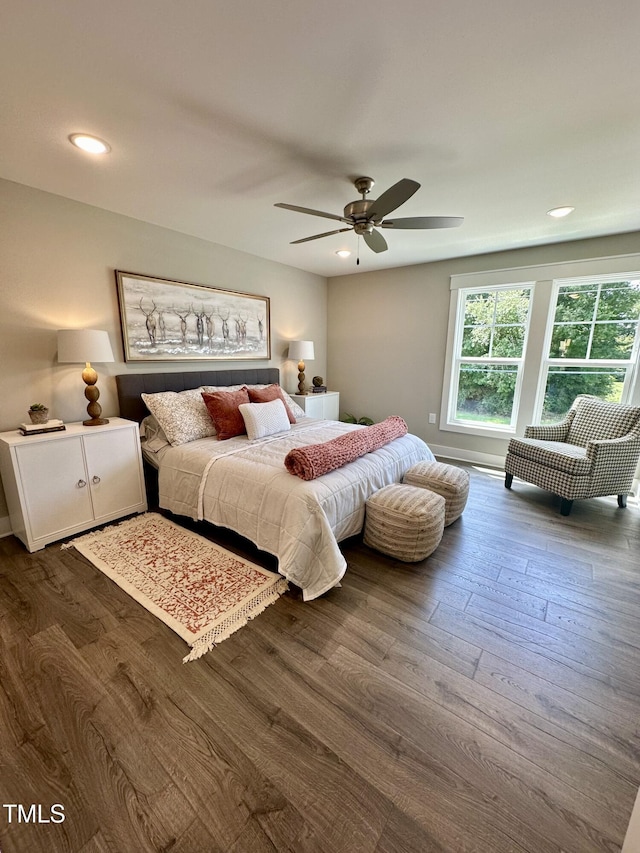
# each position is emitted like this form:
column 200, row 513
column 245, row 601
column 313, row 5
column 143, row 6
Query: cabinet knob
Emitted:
column 81, row 484
column 95, row 479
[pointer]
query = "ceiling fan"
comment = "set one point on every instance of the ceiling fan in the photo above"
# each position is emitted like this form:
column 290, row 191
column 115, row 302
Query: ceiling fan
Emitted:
column 365, row 215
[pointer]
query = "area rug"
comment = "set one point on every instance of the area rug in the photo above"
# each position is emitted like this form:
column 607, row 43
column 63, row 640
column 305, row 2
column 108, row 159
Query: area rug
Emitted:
column 201, row 591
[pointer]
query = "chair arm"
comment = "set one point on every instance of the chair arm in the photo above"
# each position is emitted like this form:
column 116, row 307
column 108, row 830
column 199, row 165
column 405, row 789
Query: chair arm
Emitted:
column 552, row 432
column 623, row 453
column 549, row 432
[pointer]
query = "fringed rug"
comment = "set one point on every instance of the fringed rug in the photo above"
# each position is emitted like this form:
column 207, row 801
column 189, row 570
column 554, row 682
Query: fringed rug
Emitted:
column 201, row 591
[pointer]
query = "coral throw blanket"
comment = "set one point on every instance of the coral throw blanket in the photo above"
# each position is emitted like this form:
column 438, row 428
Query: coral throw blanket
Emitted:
column 317, row 459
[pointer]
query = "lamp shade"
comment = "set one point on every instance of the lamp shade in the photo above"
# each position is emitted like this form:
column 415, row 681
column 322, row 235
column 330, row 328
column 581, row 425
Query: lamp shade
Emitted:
column 301, row 350
column 82, row 345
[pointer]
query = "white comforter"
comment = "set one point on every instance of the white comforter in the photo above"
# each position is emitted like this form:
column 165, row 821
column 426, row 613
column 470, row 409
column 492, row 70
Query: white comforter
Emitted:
column 244, row 486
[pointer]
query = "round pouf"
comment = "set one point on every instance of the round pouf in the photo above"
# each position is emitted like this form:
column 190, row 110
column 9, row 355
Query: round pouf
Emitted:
column 404, row 522
column 446, row 480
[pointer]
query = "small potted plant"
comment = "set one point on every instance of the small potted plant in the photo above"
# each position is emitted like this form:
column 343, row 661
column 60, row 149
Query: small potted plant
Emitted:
column 38, row 413
column 348, row 418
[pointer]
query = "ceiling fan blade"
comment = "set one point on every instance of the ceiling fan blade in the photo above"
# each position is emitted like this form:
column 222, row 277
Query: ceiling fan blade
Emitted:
column 375, row 241
column 392, row 198
column 318, row 236
column 424, row 222
column 311, row 211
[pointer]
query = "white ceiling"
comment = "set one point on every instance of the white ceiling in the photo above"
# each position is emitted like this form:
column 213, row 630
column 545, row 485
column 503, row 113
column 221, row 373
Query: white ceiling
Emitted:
column 216, row 110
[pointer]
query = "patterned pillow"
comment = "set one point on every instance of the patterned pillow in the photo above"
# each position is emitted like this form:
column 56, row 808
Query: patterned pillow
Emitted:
column 262, row 419
column 269, row 393
column 181, row 414
column 224, row 412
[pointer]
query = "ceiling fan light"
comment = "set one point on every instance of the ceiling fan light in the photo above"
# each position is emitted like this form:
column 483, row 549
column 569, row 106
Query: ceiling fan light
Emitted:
column 343, row 253
column 559, row 212
column 89, row 143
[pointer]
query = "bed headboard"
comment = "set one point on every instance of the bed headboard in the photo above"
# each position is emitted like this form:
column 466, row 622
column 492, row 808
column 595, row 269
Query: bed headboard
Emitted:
column 131, row 385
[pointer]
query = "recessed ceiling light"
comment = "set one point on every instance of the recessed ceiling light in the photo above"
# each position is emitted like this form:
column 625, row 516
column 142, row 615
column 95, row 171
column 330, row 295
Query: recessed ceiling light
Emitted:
column 89, row 143
column 343, row 253
column 559, row 212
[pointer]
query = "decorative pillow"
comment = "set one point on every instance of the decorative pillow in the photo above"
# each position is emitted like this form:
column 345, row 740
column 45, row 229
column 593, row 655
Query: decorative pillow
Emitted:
column 181, row 414
column 269, row 393
column 262, row 419
column 224, row 412
column 296, row 410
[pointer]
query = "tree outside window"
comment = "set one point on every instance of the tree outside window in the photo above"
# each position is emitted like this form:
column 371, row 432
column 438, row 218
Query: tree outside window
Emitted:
column 593, row 346
column 489, row 353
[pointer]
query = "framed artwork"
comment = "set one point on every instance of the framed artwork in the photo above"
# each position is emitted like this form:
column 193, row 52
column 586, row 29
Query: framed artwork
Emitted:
column 164, row 320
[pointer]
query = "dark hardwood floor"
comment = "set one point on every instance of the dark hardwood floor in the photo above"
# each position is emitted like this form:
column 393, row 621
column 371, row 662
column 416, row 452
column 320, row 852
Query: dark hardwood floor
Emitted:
column 487, row 699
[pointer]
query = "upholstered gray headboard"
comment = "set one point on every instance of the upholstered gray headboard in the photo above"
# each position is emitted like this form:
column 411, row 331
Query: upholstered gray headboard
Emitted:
column 131, row 385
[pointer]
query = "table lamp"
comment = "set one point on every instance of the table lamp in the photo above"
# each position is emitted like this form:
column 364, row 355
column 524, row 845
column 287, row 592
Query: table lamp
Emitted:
column 86, row 345
column 301, row 351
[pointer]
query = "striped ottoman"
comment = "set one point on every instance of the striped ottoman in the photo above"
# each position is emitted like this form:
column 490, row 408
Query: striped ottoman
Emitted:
column 446, row 480
column 404, row 522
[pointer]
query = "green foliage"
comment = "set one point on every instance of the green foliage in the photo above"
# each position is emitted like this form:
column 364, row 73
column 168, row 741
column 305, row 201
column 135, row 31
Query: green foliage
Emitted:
column 592, row 321
column 487, row 390
column 37, row 407
column 494, row 323
column 348, row 418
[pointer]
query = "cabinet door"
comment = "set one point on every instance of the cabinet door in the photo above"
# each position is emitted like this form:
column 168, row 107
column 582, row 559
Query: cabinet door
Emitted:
column 314, row 406
column 54, row 484
column 113, row 468
column 331, row 406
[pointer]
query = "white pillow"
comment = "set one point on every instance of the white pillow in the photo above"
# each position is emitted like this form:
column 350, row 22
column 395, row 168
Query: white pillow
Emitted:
column 262, row 419
column 182, row 415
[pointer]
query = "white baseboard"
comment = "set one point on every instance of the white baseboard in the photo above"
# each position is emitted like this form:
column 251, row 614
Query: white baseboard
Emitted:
column 5, row 526
column 472, row 456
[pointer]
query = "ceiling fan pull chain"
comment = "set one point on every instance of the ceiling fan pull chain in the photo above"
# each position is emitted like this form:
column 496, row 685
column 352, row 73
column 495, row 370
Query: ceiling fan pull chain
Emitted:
column 358, row 253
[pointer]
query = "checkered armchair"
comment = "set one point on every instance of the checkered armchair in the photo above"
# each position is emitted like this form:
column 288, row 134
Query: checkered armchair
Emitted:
column 593, row 452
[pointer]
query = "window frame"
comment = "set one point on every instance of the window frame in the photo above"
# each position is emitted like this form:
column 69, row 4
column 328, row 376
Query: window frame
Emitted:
column 630, row 365
column 543, row 277
column 457, row 359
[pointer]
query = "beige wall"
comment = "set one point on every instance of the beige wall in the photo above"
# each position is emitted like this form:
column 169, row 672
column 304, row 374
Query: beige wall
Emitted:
column 57, row 262
column 388, row 333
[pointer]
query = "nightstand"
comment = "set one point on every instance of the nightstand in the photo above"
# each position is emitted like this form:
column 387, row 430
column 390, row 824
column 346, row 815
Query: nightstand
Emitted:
column 326, row 406
column 61, row 483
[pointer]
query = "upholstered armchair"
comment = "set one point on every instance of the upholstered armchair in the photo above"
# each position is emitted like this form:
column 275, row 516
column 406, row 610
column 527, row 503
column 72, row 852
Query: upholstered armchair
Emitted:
column 593, row 452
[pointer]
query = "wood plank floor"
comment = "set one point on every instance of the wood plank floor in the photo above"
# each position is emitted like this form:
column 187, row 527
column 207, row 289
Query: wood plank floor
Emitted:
column 487, row 699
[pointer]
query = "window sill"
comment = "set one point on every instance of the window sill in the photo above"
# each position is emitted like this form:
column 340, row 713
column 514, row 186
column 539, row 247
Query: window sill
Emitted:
column 477, row 429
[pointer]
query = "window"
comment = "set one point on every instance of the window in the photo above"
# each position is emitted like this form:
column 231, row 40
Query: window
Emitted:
column 593, row 343
column 489, row 355
column 523, row 343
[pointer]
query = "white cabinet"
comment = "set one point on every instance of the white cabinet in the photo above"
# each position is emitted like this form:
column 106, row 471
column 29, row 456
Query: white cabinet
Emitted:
column 60, row 483
column 325, row 405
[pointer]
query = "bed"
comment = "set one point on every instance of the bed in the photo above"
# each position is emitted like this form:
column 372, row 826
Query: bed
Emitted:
column 243, row 484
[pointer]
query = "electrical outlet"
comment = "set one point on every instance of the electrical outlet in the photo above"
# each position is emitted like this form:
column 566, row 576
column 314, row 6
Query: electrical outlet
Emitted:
column 432, row 417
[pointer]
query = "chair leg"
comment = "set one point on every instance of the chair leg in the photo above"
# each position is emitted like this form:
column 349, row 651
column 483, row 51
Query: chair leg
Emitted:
column 622, row 501
column 565, row 506
column 508, row 479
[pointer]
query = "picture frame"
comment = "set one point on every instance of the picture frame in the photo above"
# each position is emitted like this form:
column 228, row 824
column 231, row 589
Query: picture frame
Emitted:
column 167, row 320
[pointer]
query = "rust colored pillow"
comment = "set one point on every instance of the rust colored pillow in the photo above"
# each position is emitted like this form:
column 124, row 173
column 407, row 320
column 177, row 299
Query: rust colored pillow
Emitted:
column 224, row 412
column 267, row 395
